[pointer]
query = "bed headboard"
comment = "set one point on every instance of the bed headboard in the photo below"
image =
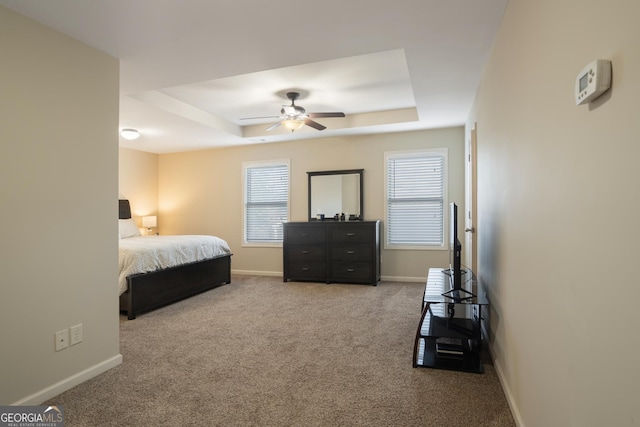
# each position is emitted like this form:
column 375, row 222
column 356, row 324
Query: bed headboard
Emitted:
column 124, row 209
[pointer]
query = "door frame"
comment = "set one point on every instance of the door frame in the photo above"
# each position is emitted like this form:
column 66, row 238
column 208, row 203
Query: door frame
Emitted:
column 471, row 200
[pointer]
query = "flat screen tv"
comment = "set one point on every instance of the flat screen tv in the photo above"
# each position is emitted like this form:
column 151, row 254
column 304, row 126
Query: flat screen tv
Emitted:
column 455, row 249
column 456, row 292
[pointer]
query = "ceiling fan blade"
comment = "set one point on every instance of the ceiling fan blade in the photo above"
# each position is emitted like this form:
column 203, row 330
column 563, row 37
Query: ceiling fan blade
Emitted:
column 264, row 117
column 273, row 126
column 320, row 115
column 314, row 125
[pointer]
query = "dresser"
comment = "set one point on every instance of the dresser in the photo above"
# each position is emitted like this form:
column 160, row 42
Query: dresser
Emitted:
column 332, row 251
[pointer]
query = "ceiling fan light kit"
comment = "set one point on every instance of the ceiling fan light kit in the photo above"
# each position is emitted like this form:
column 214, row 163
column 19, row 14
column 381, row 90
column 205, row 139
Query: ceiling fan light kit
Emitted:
column 293, row 125
column 293, row 116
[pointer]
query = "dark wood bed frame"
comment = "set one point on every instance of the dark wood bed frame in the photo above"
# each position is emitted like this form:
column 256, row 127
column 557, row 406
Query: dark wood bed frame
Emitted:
column 148, row 291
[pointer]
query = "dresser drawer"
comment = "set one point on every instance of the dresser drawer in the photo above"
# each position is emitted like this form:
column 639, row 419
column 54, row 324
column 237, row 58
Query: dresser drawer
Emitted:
column 307, row 270
column 302, row 251
column 351, row 252
column 305, row 234
column 357, row 271
column 351, row 234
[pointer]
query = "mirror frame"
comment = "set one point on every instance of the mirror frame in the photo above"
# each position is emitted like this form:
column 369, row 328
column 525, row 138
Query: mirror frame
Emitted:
column 360, row 172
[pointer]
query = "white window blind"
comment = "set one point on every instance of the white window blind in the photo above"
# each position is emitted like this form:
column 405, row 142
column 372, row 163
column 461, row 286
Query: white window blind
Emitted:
column 266, row 202
column 416, row 198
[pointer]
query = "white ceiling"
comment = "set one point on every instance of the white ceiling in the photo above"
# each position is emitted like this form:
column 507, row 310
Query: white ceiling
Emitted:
column 192, row 69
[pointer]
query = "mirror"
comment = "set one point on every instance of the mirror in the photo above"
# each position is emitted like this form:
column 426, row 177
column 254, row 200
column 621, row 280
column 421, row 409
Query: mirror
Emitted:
column 336, row 192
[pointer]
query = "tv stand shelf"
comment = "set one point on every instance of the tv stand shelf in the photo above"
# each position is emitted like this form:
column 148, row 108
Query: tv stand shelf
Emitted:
column 449, row 334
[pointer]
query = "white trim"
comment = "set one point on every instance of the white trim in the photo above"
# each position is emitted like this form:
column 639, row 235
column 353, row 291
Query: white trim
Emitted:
column 507, row 392
column 68, row 383
column 421, row 280
column 243, row 198
column 257, row 273
column 412, row 153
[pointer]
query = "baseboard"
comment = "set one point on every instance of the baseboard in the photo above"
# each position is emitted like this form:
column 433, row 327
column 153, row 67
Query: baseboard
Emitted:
column 257, row 273
column 382, row 278
column 507, row 391
column 68, row 383
column 403, row 279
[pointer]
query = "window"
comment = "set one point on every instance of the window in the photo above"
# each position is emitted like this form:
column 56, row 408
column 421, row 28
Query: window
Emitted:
column 266, row 201
column 415, row 199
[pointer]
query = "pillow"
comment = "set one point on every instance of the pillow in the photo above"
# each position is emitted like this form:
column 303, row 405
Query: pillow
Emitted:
column 128, row 228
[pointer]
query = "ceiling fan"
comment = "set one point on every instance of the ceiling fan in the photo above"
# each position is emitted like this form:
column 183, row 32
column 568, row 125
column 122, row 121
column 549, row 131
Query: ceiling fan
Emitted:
column 293, row 116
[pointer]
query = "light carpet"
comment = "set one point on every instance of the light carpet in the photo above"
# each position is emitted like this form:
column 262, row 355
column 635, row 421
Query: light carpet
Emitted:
column 261, row 352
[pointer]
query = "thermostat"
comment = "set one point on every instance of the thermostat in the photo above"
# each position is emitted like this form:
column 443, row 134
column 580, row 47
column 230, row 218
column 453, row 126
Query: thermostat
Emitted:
column 593, row 81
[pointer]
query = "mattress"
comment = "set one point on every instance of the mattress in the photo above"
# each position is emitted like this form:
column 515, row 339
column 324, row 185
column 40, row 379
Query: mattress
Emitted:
column 144, row 254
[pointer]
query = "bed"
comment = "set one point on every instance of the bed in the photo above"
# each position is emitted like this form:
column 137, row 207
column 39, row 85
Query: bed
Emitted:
column 158, row 270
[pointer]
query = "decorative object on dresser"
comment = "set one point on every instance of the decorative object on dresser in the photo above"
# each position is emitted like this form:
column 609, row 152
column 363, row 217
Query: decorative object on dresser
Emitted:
column 157, row 276
column 332, row 251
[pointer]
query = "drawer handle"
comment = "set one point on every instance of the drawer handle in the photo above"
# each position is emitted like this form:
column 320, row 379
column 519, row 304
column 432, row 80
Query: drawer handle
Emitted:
column 350, row 270
column 351, row 234
column 351, row 252
column 305, row 268
column 305, row 252
column 304, row 234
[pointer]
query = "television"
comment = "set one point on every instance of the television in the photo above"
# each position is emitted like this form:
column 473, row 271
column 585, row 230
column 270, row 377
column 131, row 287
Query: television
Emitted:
column 456, row 291
column 455, row 249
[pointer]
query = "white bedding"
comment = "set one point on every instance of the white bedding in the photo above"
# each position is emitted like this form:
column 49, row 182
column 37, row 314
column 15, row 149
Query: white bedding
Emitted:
column 143, row 254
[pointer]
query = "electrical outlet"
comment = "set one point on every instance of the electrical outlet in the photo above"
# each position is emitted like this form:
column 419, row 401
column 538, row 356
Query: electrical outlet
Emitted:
column 76, row 334
column 62, row 339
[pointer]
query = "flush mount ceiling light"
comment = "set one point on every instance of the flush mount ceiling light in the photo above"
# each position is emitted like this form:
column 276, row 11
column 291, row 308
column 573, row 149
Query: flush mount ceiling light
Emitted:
column 130, row 134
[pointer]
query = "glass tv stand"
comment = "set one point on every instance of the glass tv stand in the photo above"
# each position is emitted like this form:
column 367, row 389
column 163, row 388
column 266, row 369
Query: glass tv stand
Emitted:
column 449, row 332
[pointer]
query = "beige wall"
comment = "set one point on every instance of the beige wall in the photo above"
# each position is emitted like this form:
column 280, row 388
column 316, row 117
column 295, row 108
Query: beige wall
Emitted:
column 558, row 207
column 201, row 191
column 138, row 182
column 58, row 183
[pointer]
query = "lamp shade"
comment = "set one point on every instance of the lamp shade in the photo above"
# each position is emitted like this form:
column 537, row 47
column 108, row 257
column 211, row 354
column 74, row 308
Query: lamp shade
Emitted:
column 149, row 221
